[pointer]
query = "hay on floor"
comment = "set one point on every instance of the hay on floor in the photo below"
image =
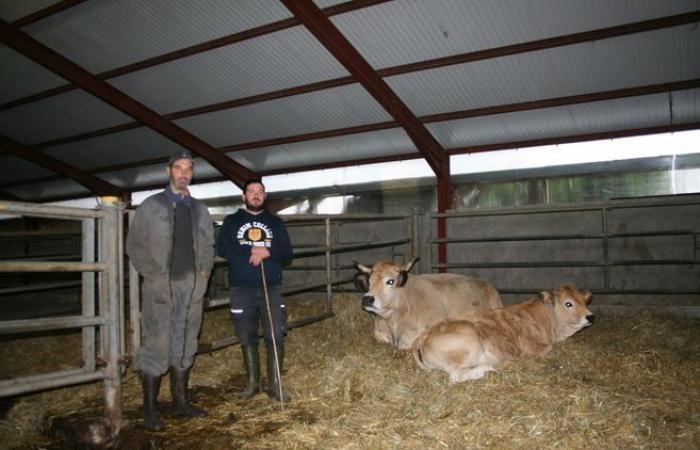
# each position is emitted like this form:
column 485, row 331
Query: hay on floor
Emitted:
column 622, row 383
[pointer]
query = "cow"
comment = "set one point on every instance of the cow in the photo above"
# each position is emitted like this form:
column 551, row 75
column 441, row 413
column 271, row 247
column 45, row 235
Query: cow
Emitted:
column 469, row 346
column 405, row 306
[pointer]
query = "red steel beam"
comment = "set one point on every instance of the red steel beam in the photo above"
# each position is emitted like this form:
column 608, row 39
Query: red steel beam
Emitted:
column 45, row 56
column 329, row 36
column 93, row 183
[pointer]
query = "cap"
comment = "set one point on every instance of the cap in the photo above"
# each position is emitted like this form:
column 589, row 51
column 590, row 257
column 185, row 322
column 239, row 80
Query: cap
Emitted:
column 181, row 154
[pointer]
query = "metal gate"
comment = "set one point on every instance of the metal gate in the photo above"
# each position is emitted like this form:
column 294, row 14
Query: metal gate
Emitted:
column 101, row 318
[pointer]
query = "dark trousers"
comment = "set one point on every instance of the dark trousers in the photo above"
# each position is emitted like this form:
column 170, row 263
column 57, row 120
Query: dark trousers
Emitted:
column 170, row 330
column 248, row 309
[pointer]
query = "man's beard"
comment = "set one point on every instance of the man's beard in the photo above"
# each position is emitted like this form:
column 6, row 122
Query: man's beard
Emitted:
column 254, row 208
column 180, row 184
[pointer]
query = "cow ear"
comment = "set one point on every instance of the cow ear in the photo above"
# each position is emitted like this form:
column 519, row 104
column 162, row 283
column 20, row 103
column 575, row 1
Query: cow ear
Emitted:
column 587, row 296
column 547, row 297
column 408, row 266
column 362, row 282
column 403, row 277
column 362, row 268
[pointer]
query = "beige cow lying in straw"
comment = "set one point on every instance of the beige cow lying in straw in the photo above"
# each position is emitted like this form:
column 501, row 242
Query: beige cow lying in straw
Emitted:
column 469, row 346
column 406, row 305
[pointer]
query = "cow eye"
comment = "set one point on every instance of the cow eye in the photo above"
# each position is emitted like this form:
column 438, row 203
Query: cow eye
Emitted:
column 390, row 282
column 568, row 304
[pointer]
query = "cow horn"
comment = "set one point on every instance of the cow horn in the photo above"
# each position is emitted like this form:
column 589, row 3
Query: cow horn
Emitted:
column 407, row 268
column 403, row 277
column 362, row 268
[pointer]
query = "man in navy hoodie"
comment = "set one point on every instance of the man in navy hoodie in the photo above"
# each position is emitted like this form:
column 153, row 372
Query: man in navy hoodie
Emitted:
column 249, row 238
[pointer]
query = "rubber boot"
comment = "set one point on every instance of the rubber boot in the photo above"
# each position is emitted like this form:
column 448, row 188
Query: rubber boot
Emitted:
column 273, row 386
column 152, row 419
column 178, row 391
column 251, row 358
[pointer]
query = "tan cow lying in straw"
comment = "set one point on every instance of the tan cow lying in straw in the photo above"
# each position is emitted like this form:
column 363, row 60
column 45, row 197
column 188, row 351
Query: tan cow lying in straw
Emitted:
column 406, row 305
column 469, row 346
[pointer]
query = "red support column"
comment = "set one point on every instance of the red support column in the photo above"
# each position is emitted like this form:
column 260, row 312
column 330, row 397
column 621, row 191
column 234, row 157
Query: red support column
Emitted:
column 444, row 202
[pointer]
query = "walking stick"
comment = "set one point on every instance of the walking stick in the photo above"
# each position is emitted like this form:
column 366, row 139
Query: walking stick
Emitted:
column 272, row 334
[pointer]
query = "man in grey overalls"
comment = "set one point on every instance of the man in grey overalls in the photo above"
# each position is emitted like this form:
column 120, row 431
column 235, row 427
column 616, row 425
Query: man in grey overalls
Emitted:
column 171, row 244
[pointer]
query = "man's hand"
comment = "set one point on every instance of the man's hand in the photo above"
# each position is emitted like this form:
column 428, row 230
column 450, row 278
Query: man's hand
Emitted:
column 257, row 254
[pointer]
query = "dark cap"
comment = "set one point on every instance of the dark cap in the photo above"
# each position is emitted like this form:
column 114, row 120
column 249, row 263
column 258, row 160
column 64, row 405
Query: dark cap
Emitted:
column 181, row 154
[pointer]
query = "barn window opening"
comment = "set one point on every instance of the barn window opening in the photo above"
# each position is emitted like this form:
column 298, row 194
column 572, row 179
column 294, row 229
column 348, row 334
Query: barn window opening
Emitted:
column 662, row 164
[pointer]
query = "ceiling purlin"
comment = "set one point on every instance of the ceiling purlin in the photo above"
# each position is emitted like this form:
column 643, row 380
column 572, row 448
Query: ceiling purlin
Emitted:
column 463, row 58
column 45, row 56
column 433, row 118
column 194, row 49
column 329, row 36
column 93, row 183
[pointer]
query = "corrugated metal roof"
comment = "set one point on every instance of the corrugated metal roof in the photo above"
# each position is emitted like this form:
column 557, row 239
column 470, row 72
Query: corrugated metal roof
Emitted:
column 48, row 190
column 329, row 109
column 556, row 72
column 67, row 114
column 15, row 169
column 403, row 32
column 272, row 62
column 684, row 106
column 327, row 151
column 153, row 175
column 597, row 117
column 109, row 150
column 20, row 76
column 13, row 10
column 106, row 34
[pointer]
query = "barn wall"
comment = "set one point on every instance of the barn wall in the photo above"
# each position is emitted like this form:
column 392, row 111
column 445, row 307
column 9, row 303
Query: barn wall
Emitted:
column 546, row 248
column 632, row 254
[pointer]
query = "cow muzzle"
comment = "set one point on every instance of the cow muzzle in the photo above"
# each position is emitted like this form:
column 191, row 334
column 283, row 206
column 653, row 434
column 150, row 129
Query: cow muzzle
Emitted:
column 368, row 302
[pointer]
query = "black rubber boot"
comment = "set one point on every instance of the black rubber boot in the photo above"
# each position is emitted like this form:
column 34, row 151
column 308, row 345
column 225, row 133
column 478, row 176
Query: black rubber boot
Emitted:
column 273, row 386
column 178, row 391
column 251, row 358
column 152, row 419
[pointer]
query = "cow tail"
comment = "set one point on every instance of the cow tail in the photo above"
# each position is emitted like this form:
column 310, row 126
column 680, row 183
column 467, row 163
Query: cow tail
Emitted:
column 417, row 350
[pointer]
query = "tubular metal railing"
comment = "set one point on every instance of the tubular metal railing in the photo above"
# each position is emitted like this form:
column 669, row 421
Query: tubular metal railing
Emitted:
column 604, row 235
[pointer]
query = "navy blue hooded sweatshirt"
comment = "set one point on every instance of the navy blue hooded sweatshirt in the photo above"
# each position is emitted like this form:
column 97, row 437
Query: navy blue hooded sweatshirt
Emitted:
column 242, row 231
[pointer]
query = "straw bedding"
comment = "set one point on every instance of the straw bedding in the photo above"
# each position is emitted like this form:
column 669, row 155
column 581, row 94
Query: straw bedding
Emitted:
column 625, row 382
